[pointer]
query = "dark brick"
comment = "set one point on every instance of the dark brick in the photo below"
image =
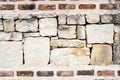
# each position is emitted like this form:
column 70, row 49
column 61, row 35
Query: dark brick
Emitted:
column 47, row 7
column 26, row 6
column 116, row 18
column 66, row 6
column 45, row 73
column 65, row 73
column 105, row 73
column 108, row 6
column 118, row 73
column 16, row 0
column 87, row 6
column 25, row 73
column 7, row 7
column 6, row 73
column 85, row 72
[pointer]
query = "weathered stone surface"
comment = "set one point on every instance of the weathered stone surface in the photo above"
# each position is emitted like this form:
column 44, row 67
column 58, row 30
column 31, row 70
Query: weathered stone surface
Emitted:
column 10, row 36
column 70, row 56
column 76, row 19
column 67, row 43
column 30, row 25
column 8, row 25
column 49, row 15
column 62, row 19
column 116, row 18
column 1, row 26
column 37, row 51
column 81, row 32
column 117, row 28
column 11, row 54
column 65, row 31
column 48, row 27
column 101, row 54
column 25, row 16
column 100, row 33
column 10, row 16
column 93, row 18
column 106, row 18
column 31, row 34
column 0, row 16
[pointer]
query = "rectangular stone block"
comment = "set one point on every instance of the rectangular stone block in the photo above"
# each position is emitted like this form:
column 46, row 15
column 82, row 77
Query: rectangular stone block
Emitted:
column 106, row 18
column 70, row 56
column 93, row 18
column 67, row 43
column 65, row 31
column 62, row 19
column 81, row 32
column 9, row 25
column 10, row 36
column 1, row 25
column 30, row 25
column 116, row 18
column 11, row 54
column 31, row 34
column 48, row 27
column 37, row 51
column 100, row 33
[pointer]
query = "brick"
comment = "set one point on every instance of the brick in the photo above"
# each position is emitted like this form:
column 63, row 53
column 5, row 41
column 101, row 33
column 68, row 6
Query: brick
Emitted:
column 65, row 73
column 45, row 73
column 6, row 73
column 25, row 73
column 118, row 73
column 2, row 0
column 87, row 6
column 37, row 0
column 105, row 73
column 108, row 6
column 66, row 6
column 16, row 0
column 47, row 7
column 85, row 72
column 7, row 7
column 26, row 6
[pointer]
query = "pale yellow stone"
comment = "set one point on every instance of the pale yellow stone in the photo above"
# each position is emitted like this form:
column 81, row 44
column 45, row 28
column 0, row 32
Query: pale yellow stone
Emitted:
column 101, row 55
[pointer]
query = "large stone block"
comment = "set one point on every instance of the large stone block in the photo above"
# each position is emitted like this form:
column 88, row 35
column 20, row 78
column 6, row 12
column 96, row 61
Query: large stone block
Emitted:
column 30, row 25
column 9, row 25
column 70, row 56
column 100, row 33
column 48, row 27
column 67, row 43
column 37, row 51
column 11, row 54
column 101, row 54
column 65, row 31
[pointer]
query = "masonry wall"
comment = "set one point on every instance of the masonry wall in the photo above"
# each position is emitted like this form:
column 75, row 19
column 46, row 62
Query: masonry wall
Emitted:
column 75, row 40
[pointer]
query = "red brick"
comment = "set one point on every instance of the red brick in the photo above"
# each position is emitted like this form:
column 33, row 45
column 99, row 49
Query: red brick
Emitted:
column 45, row 73
column 66, row 6
column 85, row 72
column 26, row 6
column 7, row 7
column 25, row 73
column 16, row 0
column 37, row 0
column 107, row 6
column 105, row 73
column 87, row 6
column 6, row 73
column 47, row 7
column 65, row 73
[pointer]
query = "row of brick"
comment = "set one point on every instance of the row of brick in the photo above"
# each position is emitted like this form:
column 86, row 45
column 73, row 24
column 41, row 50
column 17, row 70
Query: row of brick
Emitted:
column 41, row 0
column 69, row 73
column 60, row 6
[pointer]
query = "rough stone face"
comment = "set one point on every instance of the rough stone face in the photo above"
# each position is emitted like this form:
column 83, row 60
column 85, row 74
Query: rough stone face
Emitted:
column 93, row 18
column 117, row 28
column 1, row 26
column 30, row 25
column 10, row 16
column 31, row 34
column 76, row 19
column 70, row 56
column 11, row 54
column 8, row 25
column 65, row 31
column 25, row 16
column 100, row 33
column 62, row 19
column 48, row 27
column 101, row 54
column 81, row 32
column 37, row 51
column 106, row 18
column 10, row 36
column 67, row 43
column 116, row 18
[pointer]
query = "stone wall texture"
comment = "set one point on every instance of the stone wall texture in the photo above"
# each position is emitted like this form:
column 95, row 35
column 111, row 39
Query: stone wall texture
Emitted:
column 59, row 39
